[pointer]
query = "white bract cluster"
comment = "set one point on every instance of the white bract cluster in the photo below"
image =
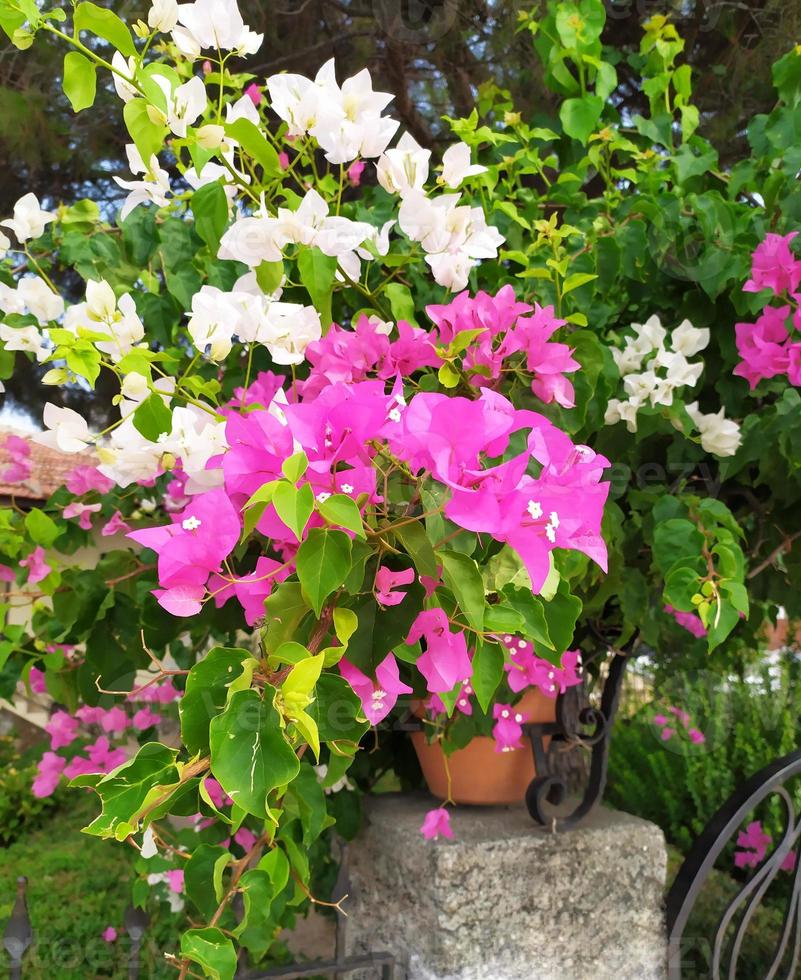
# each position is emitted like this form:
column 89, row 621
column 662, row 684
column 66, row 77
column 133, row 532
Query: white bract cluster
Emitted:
column 285, row 329
column 345, row 121
column 653, row 369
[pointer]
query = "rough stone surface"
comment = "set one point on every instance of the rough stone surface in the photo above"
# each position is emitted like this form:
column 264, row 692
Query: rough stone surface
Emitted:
column 506, row 901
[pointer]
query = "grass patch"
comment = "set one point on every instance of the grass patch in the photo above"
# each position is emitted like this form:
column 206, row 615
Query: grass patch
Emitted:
column 77, row 886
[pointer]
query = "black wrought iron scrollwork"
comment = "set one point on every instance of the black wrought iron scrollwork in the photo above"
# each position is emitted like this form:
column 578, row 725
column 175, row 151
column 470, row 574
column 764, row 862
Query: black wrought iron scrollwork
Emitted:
column 578, row 723
column 727, row 944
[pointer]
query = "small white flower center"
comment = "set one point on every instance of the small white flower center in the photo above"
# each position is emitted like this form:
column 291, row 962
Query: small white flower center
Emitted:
column 379, row 695
column 322, row 496
column 504, row 713
column 347, row 488
column 191, row 524
column 535, row 509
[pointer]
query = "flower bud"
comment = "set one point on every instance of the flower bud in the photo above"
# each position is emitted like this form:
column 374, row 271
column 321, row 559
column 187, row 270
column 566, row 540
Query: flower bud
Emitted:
column 210, row 137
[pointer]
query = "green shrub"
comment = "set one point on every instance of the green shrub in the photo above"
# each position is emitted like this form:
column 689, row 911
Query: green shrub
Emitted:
column 20, row 810
column 679, row 785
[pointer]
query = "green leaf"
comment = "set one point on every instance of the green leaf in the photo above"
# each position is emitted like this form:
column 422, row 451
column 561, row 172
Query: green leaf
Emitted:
column 294, row 506
column 294, row 467
column 676, row 540
column 84, row 361
column 106, row 24
column 575, row 280
column 414, row 539
column 213, row 952
column 318, row 274
column 269, row 276
column 463, row 578
column 681, row 585
column 210, row 209
column 722, row 620
column 532, row 609
column 342, row 510
column 206, row 694
column 80, row 80
column 253, row 142
column 42, row 529
column 323, row 561
column 401, row 302
column 337, row 711
column 250, row 756
column 147, row 135
column 204, row 869
column 303, row 676
column 125, row 792
column 285, row 609
column 580, row 116
column 152, row 418
column 487, row 672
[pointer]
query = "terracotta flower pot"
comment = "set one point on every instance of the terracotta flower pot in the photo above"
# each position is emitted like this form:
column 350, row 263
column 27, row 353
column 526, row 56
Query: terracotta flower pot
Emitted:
column 479, row 774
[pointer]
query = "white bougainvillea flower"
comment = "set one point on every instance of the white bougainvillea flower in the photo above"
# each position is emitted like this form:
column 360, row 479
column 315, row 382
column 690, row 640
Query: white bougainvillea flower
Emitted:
column 288, row 330
column 184, row 104
column 689, row 340
column 67, row 431
column 154, row 190
column 679, row 371
column 454, row 235
column 403, row 168
column 26, row 339
column 40, row 299
column 218, row 24
column 101, row 303
column 251, row 240
column 345, row 120
column 622, row 411
column 719, row 435
column 29, row 219
column 135, row 387
column 243, row 108
column 5, row 245
column 213, row 323
column 124, row 89
column 10, row 299
column 163, row 15
column 456, row 165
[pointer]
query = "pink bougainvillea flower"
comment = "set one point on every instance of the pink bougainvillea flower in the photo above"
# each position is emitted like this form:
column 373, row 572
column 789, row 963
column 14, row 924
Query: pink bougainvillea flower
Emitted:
column 7, row 574
column 679, row 713
column 145, row 718
column 245, row 838
column 90, row 715
column 217, row 794
column 379, row 696
column 115, row 525
column 355, row 171
column 84, row 479
column 526, row 669
column 696, row 737
column 175, row 879
column 774, row 266
column 48, row 774
column 508, row 728
column 254, row 93
column 109, row 934
column 114, row 721
column 789, row 863
column 437, row 822
column 667, row 734
column 386, row 580
column 62, row 729
column 251, row 590
column 446, row 661
column 689, row 621
column 191, row 549
column 763, row 345
column 17, row 454
column 36, row 679
column 755, row 843
column 83, row 512
column 283, row 160
column 36, row 565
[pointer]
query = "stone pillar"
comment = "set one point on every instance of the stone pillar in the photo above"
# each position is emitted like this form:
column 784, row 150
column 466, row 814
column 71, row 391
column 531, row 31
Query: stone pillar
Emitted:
column 505, row 900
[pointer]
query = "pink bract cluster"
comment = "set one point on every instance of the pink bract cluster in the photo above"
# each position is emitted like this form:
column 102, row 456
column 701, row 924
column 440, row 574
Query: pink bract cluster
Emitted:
column 500, row 328
column 754, row 843
column 104, row 725
column 772, row 345
column 669, row 728
column 689, row 621
column 352, row 415
column 16, row 460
